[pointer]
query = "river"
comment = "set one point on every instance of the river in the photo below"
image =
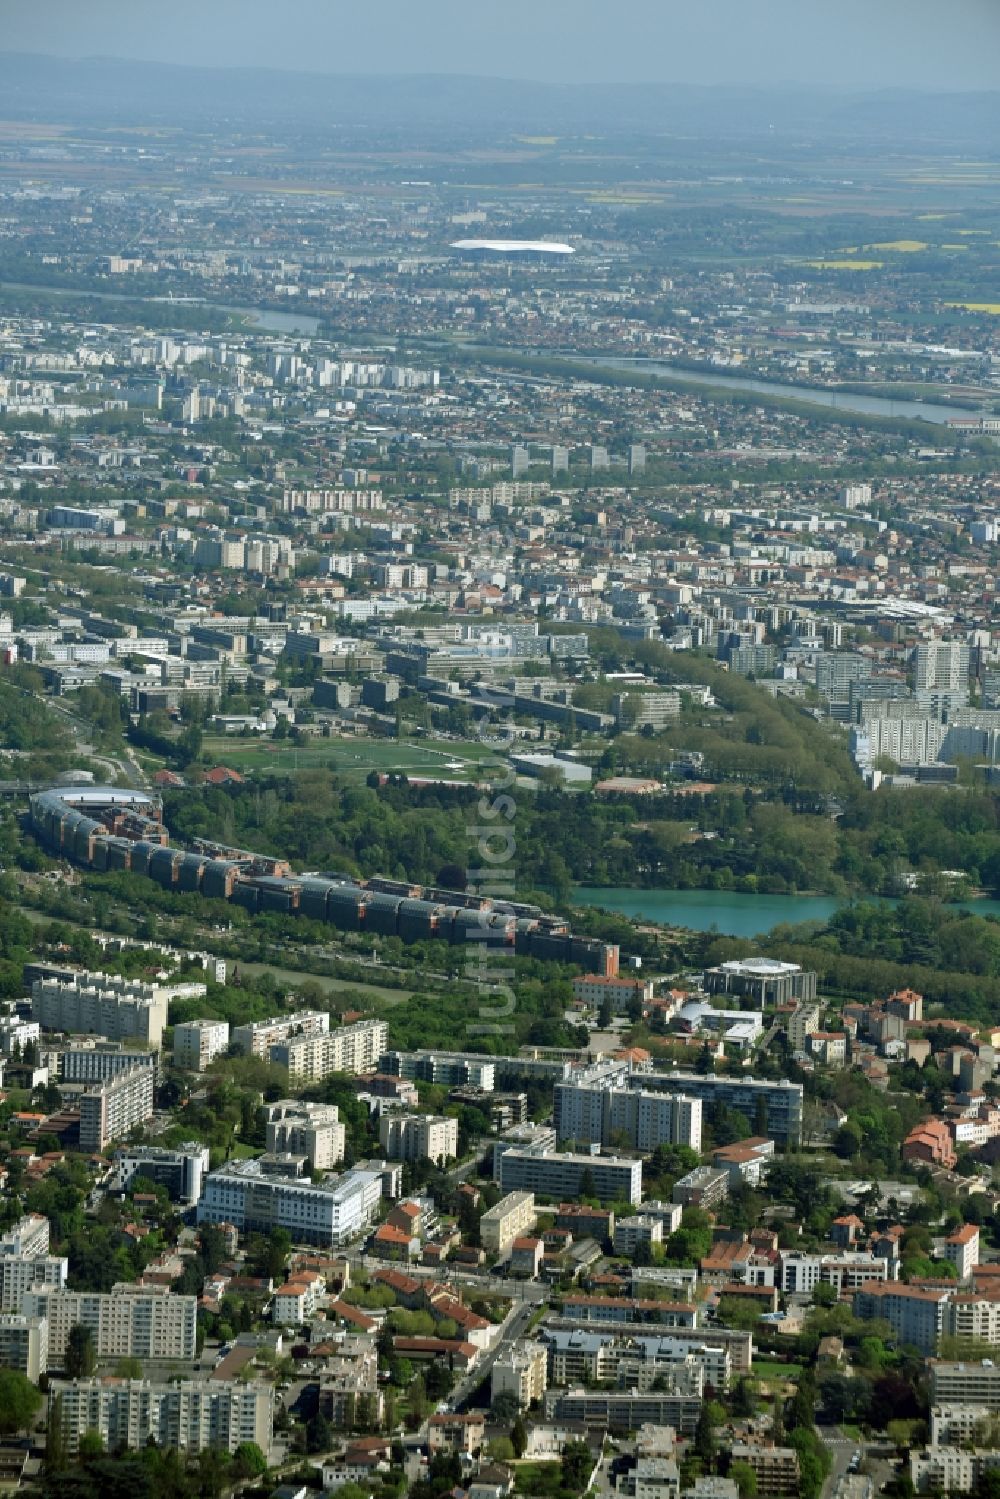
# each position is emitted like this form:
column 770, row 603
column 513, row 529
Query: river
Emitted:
column 266, row 319
column 927, row 411
column 730, row 913
column 269, row 321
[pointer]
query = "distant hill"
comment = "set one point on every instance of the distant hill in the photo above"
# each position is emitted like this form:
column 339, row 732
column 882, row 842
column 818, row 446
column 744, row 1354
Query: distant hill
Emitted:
column 106, row 91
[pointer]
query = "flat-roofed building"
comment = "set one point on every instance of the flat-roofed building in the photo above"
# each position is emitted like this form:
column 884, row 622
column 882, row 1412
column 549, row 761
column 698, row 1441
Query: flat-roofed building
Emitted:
column 513, row 1216
column 915, row 1314
column 769, row 1108
column 764, row 981
column 258, row 1036
column 960, row 1382
column 192, row 1415
column 99, row 1061
column 328, row 1213
column 199, row 1042
column 180, row 1171
column 418, row 1137
column 24, row 1344
column 522, row 1371
column 28, row 1237
column 776, row 1469
column 310, row 1129
column 353, row 1049
column 131, row 1321
column 109, row 1111
column 801, row 1273
column 103, row 1004
column 19, row 1273
column 592, row 1114
column 611, row 1178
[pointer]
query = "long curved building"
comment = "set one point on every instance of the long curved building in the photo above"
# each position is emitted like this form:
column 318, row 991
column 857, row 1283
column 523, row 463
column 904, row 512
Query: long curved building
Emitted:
column 513, row 249
column 113, row 828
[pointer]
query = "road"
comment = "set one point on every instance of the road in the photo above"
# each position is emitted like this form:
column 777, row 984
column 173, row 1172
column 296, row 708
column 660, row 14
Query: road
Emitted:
column 526, row 1291
column 877, row 1465
column 514, row 1327
column 841, row 1448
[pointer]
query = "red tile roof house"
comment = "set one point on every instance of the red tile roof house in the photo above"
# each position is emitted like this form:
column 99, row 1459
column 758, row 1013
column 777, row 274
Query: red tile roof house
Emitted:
column 456, row 1353
column 395, row 1243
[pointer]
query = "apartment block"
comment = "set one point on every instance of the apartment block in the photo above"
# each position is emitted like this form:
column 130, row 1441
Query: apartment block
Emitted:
column 27, row 1238
column 974, row 1383
column 353, row 1049
column 418, row 1137
column 102, row 1061
column 801, row 1273
column 594, row 1115
column 190, row 1415
column 24, row 1343
column 327, row 1213
column 635, row 1232
column 181, row 1171
column 703, row 1187
column 960, row 1425
column 257, row 1038
column 102, row 1004
column 769, row 1108
column 915, row 1315
column 131, row 1321
column 776, row 1469
column 611, row 1178
column 310, row 1129
column 452, row 1069
column 199, row 1042
column 109, row 1111
column 950, row 1470
column 803, row 1021
column 521, row 1371
column 624, row 1411
column 513, row 1216
column 962, row 1249
column 19, row 1273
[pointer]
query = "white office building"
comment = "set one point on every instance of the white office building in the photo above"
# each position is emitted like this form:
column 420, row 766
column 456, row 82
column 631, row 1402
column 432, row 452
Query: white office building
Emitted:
column 181, row 1171
column 326, row 1213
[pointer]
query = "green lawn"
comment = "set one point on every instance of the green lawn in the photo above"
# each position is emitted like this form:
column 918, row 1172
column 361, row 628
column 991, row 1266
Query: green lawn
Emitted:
column 461, row 760
column 770, row 1369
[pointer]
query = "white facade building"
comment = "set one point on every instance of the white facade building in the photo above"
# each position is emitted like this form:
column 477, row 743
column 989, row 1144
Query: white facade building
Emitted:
column 327, row 1213
column 191, row 1415
column 199, row 1042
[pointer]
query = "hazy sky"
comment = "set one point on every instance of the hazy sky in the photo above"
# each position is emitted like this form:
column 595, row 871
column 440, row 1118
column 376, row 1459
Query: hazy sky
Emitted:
column 854, row 43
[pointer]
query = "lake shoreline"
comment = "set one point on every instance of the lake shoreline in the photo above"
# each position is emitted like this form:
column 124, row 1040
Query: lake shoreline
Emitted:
column 732, row 913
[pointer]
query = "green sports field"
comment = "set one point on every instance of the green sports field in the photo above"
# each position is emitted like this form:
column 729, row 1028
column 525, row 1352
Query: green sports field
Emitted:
column 464, row 760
